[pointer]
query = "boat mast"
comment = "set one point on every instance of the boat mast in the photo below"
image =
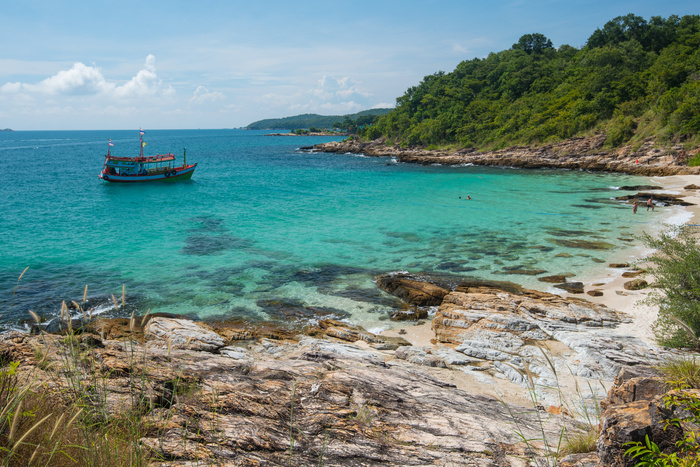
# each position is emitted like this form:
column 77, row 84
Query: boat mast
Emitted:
column 141, row 142
column 184, row 158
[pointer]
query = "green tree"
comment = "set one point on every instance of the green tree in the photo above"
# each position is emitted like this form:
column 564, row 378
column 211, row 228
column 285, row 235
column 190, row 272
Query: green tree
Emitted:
column 533, row 44
column 675, row 267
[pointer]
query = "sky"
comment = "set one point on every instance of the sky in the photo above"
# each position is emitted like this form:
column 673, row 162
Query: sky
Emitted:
column 107, row 64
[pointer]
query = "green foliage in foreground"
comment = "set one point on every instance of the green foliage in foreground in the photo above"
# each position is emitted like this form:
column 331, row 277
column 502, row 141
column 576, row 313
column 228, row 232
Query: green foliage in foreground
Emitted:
column 675, row 267
column 321, row 121
column 687, row 452
column 633, row 79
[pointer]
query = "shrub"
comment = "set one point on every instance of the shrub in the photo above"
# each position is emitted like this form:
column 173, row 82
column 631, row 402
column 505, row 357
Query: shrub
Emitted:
column 675, row 267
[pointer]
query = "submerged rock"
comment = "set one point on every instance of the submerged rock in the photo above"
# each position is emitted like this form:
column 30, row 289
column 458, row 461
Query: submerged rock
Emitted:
column 555, row 279
column 411, row 290
column 583, row 244
column 571, row 287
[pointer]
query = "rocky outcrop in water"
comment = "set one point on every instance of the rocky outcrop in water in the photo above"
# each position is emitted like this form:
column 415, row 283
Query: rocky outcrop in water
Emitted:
column 577, row 154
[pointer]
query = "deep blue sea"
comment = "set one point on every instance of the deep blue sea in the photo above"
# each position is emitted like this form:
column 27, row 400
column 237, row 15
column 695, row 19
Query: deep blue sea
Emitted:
column 267, row 231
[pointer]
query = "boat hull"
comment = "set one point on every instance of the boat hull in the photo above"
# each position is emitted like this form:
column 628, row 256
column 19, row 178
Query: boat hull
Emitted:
column 184, row 174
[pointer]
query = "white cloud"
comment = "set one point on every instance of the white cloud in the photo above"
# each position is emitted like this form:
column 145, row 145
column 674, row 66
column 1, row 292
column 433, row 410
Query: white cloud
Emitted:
column 145, row 83
column 83, row 80
column 337, row 95
column 202, row 95
column 79, row 80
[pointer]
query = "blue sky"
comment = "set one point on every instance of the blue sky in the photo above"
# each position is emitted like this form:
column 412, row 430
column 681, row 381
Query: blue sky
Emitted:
column 223, row 64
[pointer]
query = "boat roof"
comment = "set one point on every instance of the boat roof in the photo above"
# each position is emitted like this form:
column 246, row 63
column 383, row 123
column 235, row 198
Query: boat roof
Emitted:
column 144, row 159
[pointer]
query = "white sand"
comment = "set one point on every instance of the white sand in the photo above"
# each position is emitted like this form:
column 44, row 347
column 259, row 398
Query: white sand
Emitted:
column 614, row 296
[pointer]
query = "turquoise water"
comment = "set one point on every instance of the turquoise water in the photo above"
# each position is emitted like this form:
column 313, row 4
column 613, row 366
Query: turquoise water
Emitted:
column 266, row 231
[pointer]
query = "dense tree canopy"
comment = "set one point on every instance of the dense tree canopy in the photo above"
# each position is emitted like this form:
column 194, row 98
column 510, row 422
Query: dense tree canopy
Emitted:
column 633, row 79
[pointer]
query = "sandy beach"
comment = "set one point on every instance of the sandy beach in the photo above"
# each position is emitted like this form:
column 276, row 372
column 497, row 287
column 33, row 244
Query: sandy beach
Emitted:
column 610, row 281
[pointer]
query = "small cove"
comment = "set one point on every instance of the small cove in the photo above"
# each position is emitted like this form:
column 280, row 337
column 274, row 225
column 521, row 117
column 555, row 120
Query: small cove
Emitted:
column 265, row 231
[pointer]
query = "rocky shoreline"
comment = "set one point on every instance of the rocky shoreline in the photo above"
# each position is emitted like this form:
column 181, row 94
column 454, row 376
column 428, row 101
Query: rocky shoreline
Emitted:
column 337, row 394
column 579, row 153
column 499, row 364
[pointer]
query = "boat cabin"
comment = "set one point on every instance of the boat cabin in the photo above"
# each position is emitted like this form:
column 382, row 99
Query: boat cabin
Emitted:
column 153, row 165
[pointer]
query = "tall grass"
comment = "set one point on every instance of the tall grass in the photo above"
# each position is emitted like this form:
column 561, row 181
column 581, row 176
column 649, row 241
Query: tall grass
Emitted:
column 578, row 436
column 56, row 413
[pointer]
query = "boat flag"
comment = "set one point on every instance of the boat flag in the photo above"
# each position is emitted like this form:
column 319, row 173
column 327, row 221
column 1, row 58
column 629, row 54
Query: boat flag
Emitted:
column 141, row 131
column 111, row 143
column 143, row 144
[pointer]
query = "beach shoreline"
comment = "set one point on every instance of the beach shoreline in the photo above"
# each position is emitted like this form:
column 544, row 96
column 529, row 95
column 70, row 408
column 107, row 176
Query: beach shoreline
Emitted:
column 609, row 280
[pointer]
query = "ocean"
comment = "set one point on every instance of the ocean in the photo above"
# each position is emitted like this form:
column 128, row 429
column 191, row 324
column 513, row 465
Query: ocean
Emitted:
column 266, row 231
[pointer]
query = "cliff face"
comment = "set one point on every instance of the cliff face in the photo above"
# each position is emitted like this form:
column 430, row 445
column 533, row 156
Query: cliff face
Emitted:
column 574, row 154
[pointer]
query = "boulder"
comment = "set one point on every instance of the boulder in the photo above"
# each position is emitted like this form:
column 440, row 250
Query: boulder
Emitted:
column 630, row 274
column 411, row 290
column 555, row 279
column 635, row 389
column 413, row 314
column 636, row 284
column 595, row 293
column 632, row 422
column 182, row 334
column 571, row 287
column 420, row 356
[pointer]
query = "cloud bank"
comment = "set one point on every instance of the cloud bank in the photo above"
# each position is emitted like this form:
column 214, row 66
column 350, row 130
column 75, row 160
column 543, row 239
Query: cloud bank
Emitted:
column 83, row 80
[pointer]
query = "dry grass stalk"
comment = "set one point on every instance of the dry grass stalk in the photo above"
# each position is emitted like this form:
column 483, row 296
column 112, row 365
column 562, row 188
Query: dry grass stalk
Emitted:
column 35, row 317
column 143, row 320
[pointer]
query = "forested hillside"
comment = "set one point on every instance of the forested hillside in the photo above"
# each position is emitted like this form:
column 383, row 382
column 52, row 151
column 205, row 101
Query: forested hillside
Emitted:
column 633, row 79
column 318, row 121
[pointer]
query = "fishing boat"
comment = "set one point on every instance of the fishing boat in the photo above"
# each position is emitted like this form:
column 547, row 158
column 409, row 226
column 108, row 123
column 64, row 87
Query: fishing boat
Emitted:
column 144, row 168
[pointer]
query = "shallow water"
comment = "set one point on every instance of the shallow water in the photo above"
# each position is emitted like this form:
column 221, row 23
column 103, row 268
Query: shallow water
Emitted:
column 264, row 230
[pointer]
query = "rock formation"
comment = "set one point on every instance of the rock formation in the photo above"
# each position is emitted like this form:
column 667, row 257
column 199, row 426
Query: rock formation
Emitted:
column 577, row 153
column 333, row 393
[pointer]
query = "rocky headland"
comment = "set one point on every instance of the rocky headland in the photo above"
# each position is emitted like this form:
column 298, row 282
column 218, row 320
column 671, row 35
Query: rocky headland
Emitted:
column 504, row 365
column 581, row 153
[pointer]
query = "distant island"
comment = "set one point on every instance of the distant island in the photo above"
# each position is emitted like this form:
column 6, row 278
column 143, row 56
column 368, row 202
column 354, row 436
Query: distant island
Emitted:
column 7, row 129
column 325, row 122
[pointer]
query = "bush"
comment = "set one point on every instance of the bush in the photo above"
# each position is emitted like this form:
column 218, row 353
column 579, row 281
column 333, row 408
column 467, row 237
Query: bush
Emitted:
column 675, row 267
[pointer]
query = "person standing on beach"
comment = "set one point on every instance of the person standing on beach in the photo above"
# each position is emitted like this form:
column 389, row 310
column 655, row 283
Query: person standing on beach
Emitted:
column 634, row 209
column 650, row 204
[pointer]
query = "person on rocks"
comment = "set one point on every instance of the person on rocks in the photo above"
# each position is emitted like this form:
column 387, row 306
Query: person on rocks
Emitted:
column 650, row 204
